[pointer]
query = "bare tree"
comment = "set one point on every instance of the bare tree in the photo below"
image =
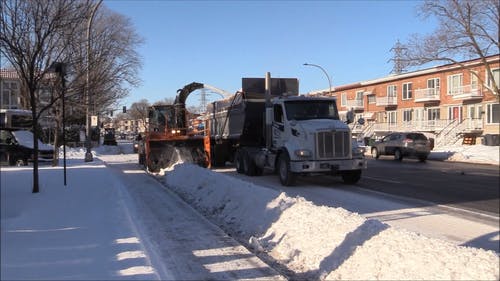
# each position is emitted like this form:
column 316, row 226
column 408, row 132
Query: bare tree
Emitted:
column 139, row 110
column 164, row 101
column 467, row 29
column 34, row 35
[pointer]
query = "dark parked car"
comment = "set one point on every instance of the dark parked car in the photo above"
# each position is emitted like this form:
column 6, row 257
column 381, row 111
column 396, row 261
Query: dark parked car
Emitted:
column 16, row 148
column 403, row 144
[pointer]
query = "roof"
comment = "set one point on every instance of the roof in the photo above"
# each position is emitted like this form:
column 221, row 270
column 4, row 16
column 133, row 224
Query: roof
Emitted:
column 393, row 77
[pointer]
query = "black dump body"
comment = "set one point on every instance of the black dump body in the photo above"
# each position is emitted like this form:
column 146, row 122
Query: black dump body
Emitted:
column 241, row 118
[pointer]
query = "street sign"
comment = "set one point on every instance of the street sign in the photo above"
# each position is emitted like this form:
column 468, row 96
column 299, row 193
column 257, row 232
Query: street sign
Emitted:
column 93, row 121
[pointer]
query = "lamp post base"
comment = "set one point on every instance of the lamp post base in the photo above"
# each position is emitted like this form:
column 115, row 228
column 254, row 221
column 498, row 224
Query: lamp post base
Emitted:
column 88, row 157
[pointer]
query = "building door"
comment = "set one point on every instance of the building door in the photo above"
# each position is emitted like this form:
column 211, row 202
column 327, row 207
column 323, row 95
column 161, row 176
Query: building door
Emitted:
column 455, row 113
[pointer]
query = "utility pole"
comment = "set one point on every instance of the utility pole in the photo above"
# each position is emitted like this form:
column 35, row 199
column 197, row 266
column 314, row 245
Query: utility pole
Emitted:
column 88, row 153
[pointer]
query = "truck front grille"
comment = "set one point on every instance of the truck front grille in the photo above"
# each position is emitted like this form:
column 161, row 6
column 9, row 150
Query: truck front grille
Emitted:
column 333, row 144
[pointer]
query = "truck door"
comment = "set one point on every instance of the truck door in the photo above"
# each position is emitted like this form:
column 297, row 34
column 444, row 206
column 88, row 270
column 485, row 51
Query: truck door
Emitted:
column 278, row 126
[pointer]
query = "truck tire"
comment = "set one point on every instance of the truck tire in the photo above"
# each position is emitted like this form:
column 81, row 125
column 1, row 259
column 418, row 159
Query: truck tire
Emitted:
column 351, row 177
column 238, row 161
column 218, row 156
column 287, row 177
column 249, row 166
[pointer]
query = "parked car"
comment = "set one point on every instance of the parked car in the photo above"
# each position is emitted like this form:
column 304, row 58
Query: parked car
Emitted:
column 402, row 144
column 16, row 148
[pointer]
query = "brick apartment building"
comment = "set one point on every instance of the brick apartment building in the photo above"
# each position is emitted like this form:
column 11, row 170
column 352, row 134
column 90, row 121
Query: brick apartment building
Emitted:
column 446, row 102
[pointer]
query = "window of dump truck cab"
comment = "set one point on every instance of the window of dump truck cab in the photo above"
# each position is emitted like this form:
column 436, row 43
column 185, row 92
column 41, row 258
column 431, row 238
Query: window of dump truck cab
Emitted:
column 313, row 109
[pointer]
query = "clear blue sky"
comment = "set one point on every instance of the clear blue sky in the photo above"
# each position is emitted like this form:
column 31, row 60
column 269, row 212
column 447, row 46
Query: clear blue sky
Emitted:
column 219, row 42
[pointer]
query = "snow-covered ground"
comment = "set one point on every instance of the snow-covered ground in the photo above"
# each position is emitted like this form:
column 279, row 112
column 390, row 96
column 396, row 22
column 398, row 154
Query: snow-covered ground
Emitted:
column 99, row 239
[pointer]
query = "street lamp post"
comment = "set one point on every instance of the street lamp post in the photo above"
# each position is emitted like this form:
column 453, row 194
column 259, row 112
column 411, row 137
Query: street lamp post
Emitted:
column 324, row 71
column 60, row 68
column 88, row 153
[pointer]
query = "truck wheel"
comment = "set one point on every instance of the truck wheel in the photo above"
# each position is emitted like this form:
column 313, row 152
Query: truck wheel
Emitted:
column 287, row 177
column 375, row 153
column 218, row 156
column 238, row 161
column 249, row 167
column 351, row 177
column 398, row 155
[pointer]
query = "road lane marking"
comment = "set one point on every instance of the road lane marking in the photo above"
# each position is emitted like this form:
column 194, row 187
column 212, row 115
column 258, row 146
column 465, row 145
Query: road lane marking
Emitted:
column 382, row 180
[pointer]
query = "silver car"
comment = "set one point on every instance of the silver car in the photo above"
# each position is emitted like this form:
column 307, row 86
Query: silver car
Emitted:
column 403, row 144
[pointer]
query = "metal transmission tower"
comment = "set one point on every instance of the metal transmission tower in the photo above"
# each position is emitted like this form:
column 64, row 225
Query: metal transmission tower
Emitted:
column 203, row 100
column 400, row 63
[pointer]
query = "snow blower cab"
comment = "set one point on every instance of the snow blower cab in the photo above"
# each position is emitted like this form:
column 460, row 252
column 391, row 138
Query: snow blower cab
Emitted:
column 169, row 138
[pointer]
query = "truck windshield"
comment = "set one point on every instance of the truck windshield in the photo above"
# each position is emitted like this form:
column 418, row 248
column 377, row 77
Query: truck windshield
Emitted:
column 313, row 109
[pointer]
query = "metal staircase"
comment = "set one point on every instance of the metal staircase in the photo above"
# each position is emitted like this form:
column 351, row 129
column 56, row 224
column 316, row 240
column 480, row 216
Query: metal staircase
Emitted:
column 451, row 133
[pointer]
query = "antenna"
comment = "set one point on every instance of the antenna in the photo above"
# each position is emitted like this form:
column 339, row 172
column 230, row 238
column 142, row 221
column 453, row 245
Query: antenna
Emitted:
column 400, row 64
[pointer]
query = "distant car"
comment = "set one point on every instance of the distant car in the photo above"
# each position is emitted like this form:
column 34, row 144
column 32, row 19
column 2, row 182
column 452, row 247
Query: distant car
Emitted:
column 403, row 144
column 17, row 149
column 109, row 137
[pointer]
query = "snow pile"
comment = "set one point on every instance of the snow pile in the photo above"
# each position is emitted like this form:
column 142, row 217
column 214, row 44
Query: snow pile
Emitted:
column 467, row 153
column 324, row 242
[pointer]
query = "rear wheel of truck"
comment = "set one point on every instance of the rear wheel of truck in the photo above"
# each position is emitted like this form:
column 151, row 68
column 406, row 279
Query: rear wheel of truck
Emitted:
column 249, row 166
column 351, row 177
column 287, row 177
column 238, row 161
column 218, row 156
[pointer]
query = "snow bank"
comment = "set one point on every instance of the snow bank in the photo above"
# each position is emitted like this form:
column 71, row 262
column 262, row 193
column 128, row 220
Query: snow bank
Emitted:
column 467, row 153
column 324, row 242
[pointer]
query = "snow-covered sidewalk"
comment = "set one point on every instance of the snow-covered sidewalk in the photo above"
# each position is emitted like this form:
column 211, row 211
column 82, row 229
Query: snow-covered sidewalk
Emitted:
column 79, row 232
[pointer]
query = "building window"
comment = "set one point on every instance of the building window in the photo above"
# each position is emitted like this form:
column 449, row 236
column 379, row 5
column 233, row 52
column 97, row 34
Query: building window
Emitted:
column 407, row 115
column 455, row 84
column 474, row 81
column 407, row 92
column 343, row 99
column 392, row 117
column 493, row 113
column 433, row 113
column 433, row 84
column 372, row 99
column 496, row 77
column 391, row 91
column 9, row 95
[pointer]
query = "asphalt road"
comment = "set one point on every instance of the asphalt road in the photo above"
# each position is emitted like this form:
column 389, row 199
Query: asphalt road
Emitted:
column 473, row 187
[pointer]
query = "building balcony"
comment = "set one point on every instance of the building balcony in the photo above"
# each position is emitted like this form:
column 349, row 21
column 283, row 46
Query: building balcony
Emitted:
column 386, row 101
column 427, row 95
column 355, row 104
column 466, row 93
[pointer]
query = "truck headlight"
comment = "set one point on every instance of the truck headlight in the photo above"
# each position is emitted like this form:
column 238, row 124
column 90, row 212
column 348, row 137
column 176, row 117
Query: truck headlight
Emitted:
column 303, row 153
column 358, row 151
